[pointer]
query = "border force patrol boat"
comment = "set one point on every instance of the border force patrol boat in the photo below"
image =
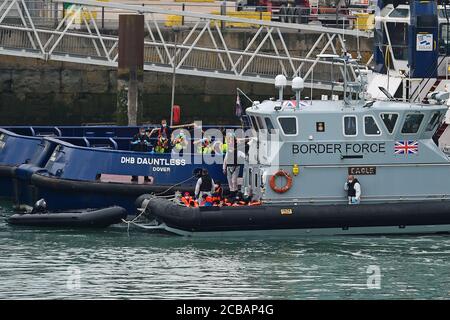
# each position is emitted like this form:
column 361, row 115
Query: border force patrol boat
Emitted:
column 299, row 176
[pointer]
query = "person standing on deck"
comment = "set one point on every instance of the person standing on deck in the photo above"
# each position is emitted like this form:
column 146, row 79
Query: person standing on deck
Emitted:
column 353, row 188
column 140, row 143
column 165, row 135
column 232, row 163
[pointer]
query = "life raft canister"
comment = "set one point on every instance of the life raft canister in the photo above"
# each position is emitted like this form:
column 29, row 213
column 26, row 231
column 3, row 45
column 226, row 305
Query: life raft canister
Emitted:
column 286, row 187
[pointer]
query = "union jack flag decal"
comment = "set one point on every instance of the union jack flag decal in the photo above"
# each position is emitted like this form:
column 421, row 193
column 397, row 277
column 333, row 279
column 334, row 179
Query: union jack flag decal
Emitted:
column 406, row 147
column 293, row 104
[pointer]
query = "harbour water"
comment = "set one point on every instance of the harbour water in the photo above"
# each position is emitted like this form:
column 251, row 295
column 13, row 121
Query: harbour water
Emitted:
column 114, row 264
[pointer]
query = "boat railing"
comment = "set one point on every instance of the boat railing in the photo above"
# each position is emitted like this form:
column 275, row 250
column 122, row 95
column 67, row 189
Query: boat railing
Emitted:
column 114, row 143
column 94, row 131
column 423, row 83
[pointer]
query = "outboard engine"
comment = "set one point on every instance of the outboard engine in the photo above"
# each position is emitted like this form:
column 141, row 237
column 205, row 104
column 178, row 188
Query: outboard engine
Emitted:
column 40, row 206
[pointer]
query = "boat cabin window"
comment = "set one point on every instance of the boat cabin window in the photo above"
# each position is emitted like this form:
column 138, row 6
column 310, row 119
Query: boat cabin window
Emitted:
column 443, row 13
column 269, row 124
column 444, row 39
column 389, row 120
column 371, row 127
column 260, row 123
column 320, row 126
column 399, row 13
column 254, row 123
column 289, row 125
column 350, row 126
column 433, row 121
column 426, row 21
column 412, row 123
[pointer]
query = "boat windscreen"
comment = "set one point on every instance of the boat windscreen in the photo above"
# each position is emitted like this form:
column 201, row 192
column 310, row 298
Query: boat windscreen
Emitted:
column 389, row 120
column 433, row 121
column 412, row 123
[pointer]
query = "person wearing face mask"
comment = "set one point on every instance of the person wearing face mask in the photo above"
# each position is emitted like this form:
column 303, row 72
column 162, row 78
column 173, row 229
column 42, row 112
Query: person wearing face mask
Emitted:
column 165, row 134
column 353, row 188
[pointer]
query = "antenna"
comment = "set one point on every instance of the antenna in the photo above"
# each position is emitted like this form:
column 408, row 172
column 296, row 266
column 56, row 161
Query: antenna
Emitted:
column 280, row 83
column 297, row 86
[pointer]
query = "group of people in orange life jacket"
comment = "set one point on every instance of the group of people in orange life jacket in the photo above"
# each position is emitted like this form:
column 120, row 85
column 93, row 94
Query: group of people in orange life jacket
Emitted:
column 209, row 193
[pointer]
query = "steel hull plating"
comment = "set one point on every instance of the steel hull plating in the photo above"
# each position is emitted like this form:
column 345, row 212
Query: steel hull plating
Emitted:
column 387, row 218
column 16, row 151
column 6, row 181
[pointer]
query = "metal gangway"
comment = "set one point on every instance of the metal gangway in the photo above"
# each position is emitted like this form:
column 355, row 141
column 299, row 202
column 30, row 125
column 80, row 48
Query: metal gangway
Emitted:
column 194, row 43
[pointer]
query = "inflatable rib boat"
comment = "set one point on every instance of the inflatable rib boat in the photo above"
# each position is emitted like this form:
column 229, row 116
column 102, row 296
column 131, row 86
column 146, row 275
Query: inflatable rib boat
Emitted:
column 95, row 218
column 303, row 219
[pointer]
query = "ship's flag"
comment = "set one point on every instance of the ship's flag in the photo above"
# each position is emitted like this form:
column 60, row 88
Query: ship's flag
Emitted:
column 406, row 147
column 238, row 106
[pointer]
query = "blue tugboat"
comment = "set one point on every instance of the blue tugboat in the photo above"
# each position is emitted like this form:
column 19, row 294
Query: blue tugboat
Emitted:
column 21, row 145
column 91, row 167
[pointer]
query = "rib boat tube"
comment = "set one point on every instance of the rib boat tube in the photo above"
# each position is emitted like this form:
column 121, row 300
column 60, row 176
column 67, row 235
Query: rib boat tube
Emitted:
column 277, row 219
column 89, row 218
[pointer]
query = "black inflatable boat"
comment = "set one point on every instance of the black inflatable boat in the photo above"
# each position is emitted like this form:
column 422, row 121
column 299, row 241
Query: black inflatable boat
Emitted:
column 89, row 218
column 289, row 219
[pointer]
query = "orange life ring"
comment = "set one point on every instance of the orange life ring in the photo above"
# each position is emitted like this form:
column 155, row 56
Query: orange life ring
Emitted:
column 286, row 187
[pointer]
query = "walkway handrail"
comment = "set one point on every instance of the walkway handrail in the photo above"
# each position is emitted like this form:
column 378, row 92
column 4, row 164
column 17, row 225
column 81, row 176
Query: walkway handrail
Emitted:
column 200, row 48
column 152, row 10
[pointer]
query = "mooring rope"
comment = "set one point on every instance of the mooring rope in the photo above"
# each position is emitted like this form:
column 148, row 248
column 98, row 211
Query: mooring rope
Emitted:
column 133, row 220
column 177, row 184
column 158, row 195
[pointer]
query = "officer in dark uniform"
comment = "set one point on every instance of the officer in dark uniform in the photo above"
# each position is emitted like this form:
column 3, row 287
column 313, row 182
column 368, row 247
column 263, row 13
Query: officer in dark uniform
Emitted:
column 205, row 185
column 140, row 143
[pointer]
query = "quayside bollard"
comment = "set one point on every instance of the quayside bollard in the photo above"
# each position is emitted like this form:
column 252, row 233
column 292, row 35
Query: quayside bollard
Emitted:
column 130, row 73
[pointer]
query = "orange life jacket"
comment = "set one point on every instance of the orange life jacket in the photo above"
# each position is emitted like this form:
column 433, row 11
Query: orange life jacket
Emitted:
column 186, row 201
column 162, row 142
column 193, row 203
